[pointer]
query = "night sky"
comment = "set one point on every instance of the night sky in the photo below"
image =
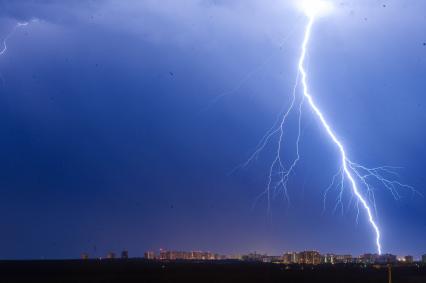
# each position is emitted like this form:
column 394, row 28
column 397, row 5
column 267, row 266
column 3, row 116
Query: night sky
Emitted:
column 112, row 136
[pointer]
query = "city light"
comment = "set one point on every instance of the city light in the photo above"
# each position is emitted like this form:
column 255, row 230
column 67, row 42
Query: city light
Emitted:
column 306, row 257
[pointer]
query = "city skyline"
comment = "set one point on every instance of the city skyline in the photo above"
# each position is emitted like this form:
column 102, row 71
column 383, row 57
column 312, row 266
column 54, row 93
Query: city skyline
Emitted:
column 287, row 257
column 284, row 256
column 127, row 126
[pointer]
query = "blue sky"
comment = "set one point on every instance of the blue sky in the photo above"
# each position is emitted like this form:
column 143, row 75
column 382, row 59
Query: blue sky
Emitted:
column 113, row 137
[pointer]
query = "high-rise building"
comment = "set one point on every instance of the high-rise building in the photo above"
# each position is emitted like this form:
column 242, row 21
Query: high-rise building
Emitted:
column 124, row 255
column 309, row 257
column 235, row 257
column 254, row 257
column 386, row 258
column 206, row 256
column 197, row 255
column 290, row 258
column 220, row 257
column 424, row 258
column 84, row 256
column 110, row 255
column 194, row 255
column 369, row 258
column 164, row 255
column 149, row 255
column 328, row 258
column 343, row 259
column 408, row 259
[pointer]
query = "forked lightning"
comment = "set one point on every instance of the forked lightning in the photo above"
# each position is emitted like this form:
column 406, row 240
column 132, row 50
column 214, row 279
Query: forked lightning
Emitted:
column 358, row 177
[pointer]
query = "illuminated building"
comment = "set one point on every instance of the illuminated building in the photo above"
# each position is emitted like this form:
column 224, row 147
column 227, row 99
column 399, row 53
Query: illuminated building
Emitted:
column 368, row 258
column 235, row 257
column 170, row 255
column 164, row 255
column 408, row 259
column 290, row 258
column 309, row 257
column 84, row 256
column 110, row 255
column 254, row 257
column 199, row 255
column 194, row 255
column 343, row 259
column 219, row 257
column 124, row 255
column 386, row 258
column 328, row 258
column 149, row 255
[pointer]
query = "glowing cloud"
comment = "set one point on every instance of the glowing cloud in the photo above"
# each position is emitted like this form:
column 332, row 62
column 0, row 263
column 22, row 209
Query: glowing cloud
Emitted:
column 315, row 8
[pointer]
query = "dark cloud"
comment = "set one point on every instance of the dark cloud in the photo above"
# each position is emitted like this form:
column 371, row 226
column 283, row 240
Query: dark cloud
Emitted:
column 49, row 10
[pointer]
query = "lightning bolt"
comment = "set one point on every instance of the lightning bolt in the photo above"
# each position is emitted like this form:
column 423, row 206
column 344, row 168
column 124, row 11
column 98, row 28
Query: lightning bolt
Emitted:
column 18, row 25
column 357, row 176
column 4, row 43
column 346, row 163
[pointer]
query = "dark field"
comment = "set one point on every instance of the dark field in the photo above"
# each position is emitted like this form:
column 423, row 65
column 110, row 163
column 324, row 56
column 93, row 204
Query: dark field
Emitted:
column 220, row 272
